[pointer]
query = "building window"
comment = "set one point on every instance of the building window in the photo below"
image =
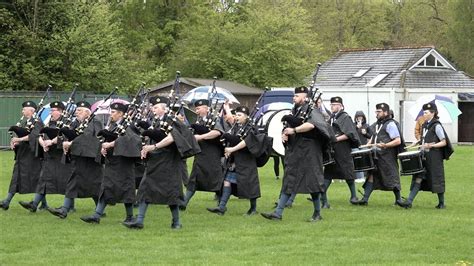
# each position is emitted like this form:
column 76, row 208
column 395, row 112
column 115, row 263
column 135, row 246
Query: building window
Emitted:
column 431, row 61
column 377, row 79
column 361, row 72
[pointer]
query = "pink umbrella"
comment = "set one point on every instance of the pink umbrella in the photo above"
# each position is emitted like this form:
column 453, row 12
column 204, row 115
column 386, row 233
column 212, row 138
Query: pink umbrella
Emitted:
column 104, row 107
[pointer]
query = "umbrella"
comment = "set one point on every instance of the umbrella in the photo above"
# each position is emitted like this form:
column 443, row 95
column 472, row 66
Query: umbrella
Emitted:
column 45, row 114
column 447, row 109
column 104, row 107
column 102, row 114
column 203, row 93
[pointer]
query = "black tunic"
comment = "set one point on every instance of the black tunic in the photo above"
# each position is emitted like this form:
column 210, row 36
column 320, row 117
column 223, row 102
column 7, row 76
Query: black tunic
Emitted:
column 245, row 160
column 54, row 174
column 118, row 183
column 304, row 160
column 162, row 182
column 207, row 174
column 433, row 178
column 27, row 167
column 87, row 173
column 343, row 168
column 386, row 174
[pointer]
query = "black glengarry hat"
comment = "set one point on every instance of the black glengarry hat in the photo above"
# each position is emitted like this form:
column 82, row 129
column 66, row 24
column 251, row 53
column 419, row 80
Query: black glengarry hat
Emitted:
column 29, row 104
column 84, row 104
column 57, row 104
column 201, row 102
column 382, row 106
column 242, row 109
column 119, row 107
column 301, row 89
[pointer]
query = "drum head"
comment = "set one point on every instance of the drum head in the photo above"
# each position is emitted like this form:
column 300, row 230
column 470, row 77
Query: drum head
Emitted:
column 274, row 127
column 263, row 119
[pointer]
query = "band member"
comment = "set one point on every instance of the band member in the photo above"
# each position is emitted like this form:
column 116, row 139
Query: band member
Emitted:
column 162, row 182
column 303, row 158
column 346, row 139
column 118, row 183
column 437, row 147
column 363, row 129
column 86, row 177
column 206, row 174
column 387, row 139
column 27, row 167
column 244, row 146
column 54, row 174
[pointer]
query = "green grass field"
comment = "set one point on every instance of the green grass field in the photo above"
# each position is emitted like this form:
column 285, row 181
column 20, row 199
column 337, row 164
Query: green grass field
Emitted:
column 377, row 234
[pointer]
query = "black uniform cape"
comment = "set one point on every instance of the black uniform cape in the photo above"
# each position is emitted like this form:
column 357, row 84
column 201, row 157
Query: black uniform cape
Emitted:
column 343, row 168
column 304, row 160
column 118, row 184
column 27, row 167
column 54, row 174
column 207, row 174
column 162, row 181
column 386, row 174
column 433, row 178
column 87, row 173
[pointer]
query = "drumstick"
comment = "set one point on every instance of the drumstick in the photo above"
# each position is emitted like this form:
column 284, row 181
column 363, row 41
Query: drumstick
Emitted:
column 412, row 147
column 366, row 146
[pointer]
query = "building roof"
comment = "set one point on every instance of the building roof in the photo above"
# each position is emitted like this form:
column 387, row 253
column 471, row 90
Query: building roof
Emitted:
column 233, row 87
column 402, row 67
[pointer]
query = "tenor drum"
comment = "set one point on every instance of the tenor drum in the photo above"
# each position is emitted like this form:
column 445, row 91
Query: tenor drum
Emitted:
column 363, row 160
column 410, row 162
column 274, row 127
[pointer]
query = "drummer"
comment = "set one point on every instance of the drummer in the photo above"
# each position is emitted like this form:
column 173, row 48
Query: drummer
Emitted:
column 436, row 147
column 386, row 140
column 346, row 138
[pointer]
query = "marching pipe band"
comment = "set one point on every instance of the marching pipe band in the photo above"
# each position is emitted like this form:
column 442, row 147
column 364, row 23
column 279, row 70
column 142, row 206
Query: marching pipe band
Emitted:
column 151, row 129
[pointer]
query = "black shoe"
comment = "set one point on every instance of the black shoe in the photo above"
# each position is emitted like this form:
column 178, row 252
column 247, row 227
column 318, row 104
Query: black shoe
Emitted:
column 277, row 177
column 325, row 205
column 90, row 219
column 310, row 199
column 129, row 219
column 28, row 205
column 4, row 205
column 176, row 226
column 315, row 218
column 133, row 225
column 251, row 212
column 271, row 216
column 43, row 207
column 362, row 202
column 440, row 206
column 182, row 207
column 354, row 200
column 59, row 212
column 217, row 210
column 403, row 204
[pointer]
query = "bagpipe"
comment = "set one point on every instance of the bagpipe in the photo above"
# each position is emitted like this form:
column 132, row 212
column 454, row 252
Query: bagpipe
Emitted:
column 205, row 124
column 160, row 128
column 129, row 117
column 30, row 124
column 65, row 119
column 230, row 140
column 70, row 133
column 304, row 112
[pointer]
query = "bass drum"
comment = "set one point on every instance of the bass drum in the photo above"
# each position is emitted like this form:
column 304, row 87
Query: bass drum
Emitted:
column 274, row 127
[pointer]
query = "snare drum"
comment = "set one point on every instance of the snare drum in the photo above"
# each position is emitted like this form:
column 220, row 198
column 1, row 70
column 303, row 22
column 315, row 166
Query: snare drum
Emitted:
column 363, row 160
column 410, row 162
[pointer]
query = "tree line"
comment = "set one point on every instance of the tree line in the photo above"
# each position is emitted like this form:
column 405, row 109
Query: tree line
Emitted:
column 102, row 44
